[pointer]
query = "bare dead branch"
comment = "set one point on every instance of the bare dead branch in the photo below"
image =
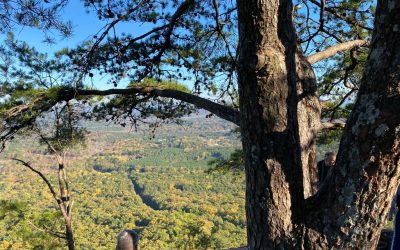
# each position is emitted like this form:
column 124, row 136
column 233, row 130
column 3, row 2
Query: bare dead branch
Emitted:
column 332, row 125
column 333, row 50
column 28, row 165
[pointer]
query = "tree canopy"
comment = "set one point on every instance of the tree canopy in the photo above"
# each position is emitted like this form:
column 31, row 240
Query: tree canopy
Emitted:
column 187, row 41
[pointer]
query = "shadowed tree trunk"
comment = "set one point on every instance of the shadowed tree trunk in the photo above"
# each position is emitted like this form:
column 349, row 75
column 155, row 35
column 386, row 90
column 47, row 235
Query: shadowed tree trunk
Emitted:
column 69, row 235
column 278, row 123
column 270, row 131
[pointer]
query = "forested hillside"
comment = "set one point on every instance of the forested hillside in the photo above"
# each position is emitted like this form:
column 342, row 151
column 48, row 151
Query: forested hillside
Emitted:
column 124, row 179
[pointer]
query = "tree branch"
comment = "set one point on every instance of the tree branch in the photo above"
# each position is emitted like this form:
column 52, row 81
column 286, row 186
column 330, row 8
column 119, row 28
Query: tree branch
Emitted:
column 332, row 125
column 219, row 30
column 335, row 13
column 49, row 231
column 26, row 164
column 182, row 9
column 333, row 50
column 224, row 112
column 321, row 22
column 108, row 27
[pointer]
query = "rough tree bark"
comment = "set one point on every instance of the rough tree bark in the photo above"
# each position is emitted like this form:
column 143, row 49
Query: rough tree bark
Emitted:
column 351, row 209
column 270, row 131
column 279, row 119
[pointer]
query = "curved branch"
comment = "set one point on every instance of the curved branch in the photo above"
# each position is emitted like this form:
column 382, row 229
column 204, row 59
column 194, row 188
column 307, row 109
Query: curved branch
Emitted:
column 26, row 164
column 333, row 50
column 224, row 112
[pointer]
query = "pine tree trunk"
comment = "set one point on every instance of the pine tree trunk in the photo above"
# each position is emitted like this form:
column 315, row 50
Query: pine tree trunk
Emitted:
column 277, row 102
column 352, row 208
column 270, row 132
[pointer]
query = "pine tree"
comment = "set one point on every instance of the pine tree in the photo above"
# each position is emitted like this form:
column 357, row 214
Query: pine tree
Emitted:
column 252, row 52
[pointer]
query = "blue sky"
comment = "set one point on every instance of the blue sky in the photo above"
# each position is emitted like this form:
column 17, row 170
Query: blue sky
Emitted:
column 85, row 26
